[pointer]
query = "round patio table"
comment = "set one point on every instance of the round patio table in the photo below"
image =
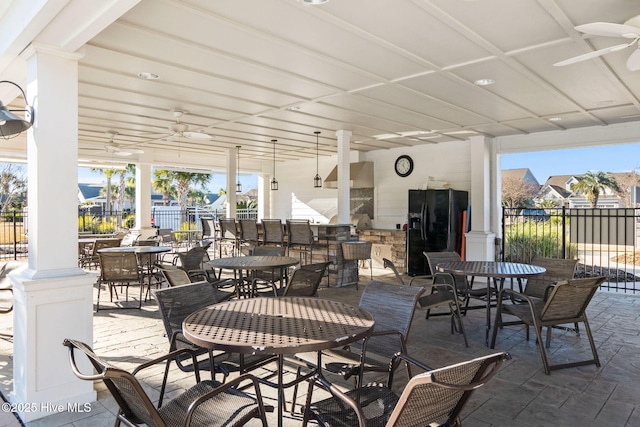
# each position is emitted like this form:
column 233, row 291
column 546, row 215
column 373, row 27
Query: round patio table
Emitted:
column 277, row 326
column 252, row 263
column 498, row 271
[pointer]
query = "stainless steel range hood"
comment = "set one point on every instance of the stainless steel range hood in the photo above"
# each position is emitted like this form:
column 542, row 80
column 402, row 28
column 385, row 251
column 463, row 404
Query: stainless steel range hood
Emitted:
column 360, row 174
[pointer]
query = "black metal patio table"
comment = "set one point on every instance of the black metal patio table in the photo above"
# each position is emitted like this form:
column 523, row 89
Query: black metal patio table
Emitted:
column 277, row 326
column 498, row 271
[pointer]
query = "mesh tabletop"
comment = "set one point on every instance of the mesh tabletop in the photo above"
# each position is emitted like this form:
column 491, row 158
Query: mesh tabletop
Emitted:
column 277, row 325
column 490, row 269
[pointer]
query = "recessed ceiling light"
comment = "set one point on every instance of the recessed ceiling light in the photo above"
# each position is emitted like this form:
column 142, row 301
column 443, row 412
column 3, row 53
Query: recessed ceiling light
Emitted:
column 148, row 76
column 314, row 2
column 484, row 82
column 294, row 108
column 555, row 119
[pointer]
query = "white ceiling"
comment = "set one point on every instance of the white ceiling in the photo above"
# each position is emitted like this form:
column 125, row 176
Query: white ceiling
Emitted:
column 394, row 68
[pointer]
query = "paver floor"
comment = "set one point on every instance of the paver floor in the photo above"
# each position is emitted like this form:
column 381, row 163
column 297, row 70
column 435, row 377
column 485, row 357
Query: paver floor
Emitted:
column 520, row 395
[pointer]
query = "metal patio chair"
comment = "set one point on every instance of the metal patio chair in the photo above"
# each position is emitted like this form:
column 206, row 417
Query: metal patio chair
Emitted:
column 566, row 303
column 433, row 398
column 207, row 403
column 119, row 269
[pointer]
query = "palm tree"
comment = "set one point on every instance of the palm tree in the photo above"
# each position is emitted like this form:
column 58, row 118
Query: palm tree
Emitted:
column 163, row 183
column 109, row 173
column 184, row 180
column 592, row 184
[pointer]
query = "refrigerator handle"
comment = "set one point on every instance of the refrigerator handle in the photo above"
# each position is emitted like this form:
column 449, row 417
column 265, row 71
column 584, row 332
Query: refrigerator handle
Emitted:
column 423, row 221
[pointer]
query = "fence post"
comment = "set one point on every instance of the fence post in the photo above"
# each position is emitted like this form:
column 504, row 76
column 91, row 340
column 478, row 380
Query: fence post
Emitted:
column 15, row 238
column 564, row 231
column 504, row 229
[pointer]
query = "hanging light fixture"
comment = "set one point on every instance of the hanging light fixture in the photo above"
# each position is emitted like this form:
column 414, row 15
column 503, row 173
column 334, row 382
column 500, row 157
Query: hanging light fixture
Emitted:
column 274, row 181
column 238, row 184
column 317, row 180
column 10, row 124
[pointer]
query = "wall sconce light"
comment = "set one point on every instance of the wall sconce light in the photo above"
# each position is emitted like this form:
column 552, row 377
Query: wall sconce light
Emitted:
column 274, row 181
column 10, row 124
column 317, row 180
column 238, row 184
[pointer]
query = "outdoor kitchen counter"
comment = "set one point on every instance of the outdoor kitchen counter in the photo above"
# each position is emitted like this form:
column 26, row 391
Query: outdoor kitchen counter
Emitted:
column 387, row 243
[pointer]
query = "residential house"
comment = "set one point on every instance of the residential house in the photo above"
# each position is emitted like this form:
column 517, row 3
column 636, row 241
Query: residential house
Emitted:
column 558, row 188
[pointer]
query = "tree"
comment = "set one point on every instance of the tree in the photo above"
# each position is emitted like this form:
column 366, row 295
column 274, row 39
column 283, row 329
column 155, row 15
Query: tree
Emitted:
column 109, row 173
column 592, row 184
column 122, row 184
column 627, row 182
column 517, row 192
column 163, row 184
column 12, row 185
column 547, row 203
column 184, row 180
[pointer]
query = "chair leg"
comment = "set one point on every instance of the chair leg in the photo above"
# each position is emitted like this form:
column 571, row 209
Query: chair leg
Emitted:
column 591, row 342
column 541, row 346
column 458, row 315
column 497, row 323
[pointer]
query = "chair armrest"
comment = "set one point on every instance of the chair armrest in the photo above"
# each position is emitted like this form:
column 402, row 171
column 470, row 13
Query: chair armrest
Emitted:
column 10, row 308
column 427, row 279
column 336, row 393
column 224, row 387
column 171, row 355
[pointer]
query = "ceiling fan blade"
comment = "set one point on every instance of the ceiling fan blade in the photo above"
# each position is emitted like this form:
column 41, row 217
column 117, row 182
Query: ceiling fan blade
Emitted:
column 633, row 62
column 608, row 29
column 197, row 135
column 590, row 55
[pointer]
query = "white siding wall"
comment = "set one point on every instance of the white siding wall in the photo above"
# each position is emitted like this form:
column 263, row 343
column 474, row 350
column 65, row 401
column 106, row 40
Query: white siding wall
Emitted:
column 448, row 162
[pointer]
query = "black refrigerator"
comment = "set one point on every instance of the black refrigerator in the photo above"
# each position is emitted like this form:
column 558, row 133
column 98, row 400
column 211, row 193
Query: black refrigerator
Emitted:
column 434, row 224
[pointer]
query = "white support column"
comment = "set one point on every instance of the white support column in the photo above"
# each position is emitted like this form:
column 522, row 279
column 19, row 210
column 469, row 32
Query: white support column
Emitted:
column 53, row 298
column 143, row 193
column 231, row 182
column 264, row 196
column 344, row 171
column 480, row 240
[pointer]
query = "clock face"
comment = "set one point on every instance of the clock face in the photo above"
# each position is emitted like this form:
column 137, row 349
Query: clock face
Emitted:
column 404, row 165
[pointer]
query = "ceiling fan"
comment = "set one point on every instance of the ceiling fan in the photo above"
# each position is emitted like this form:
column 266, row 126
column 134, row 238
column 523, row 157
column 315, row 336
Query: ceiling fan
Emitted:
column 630, row 30
column 181, row 130
column 117, row 149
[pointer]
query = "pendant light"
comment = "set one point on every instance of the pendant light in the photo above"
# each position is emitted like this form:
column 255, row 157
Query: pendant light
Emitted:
column 238, row 184
column 317, row 180
column 274, row 181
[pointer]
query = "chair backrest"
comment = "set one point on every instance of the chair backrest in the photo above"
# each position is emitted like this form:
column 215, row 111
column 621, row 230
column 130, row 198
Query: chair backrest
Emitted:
column 166, row 236
column 193, row 258
column 434, row 258
column 124, row 387
column 272, row 231
column 147, row 242
column 392, row 307
column 119, row 267
column 304, row 281
column 569, row 299
column 228, row 228
column 208, row 227
column 299, row 232
column 105, row 243
column 175, row 276
column 438, row 396
column 248, row 230
column 268, row 251
column 389, row 264
column 175, row 304
column 557, row 270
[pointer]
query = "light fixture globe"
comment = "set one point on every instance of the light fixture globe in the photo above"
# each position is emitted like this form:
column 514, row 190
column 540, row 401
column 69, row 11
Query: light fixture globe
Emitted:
column 274, row 181
column 317, row 180
column 238, row 184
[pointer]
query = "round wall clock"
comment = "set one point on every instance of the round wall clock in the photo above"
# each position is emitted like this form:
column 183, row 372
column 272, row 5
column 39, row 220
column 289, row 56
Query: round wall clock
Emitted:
column 404, row 165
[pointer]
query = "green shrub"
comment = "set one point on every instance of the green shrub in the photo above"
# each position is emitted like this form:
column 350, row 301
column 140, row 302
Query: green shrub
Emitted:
column 525, row 240
column 97, row 225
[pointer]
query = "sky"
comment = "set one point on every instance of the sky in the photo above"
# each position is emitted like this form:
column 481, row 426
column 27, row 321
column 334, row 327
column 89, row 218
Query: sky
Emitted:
column 575, row 161
column 543, row 164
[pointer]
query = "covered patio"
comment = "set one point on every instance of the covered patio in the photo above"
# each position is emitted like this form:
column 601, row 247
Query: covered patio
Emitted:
column 243, row 86
column 521, row 395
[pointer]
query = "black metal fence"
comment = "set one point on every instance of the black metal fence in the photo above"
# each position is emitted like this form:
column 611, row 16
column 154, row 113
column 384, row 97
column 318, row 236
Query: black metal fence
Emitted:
column 605, row 241
column 14, row 233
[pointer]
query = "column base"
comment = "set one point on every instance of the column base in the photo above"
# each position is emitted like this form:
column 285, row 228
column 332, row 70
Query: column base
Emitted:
column 480, row 246
column 45, row 312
